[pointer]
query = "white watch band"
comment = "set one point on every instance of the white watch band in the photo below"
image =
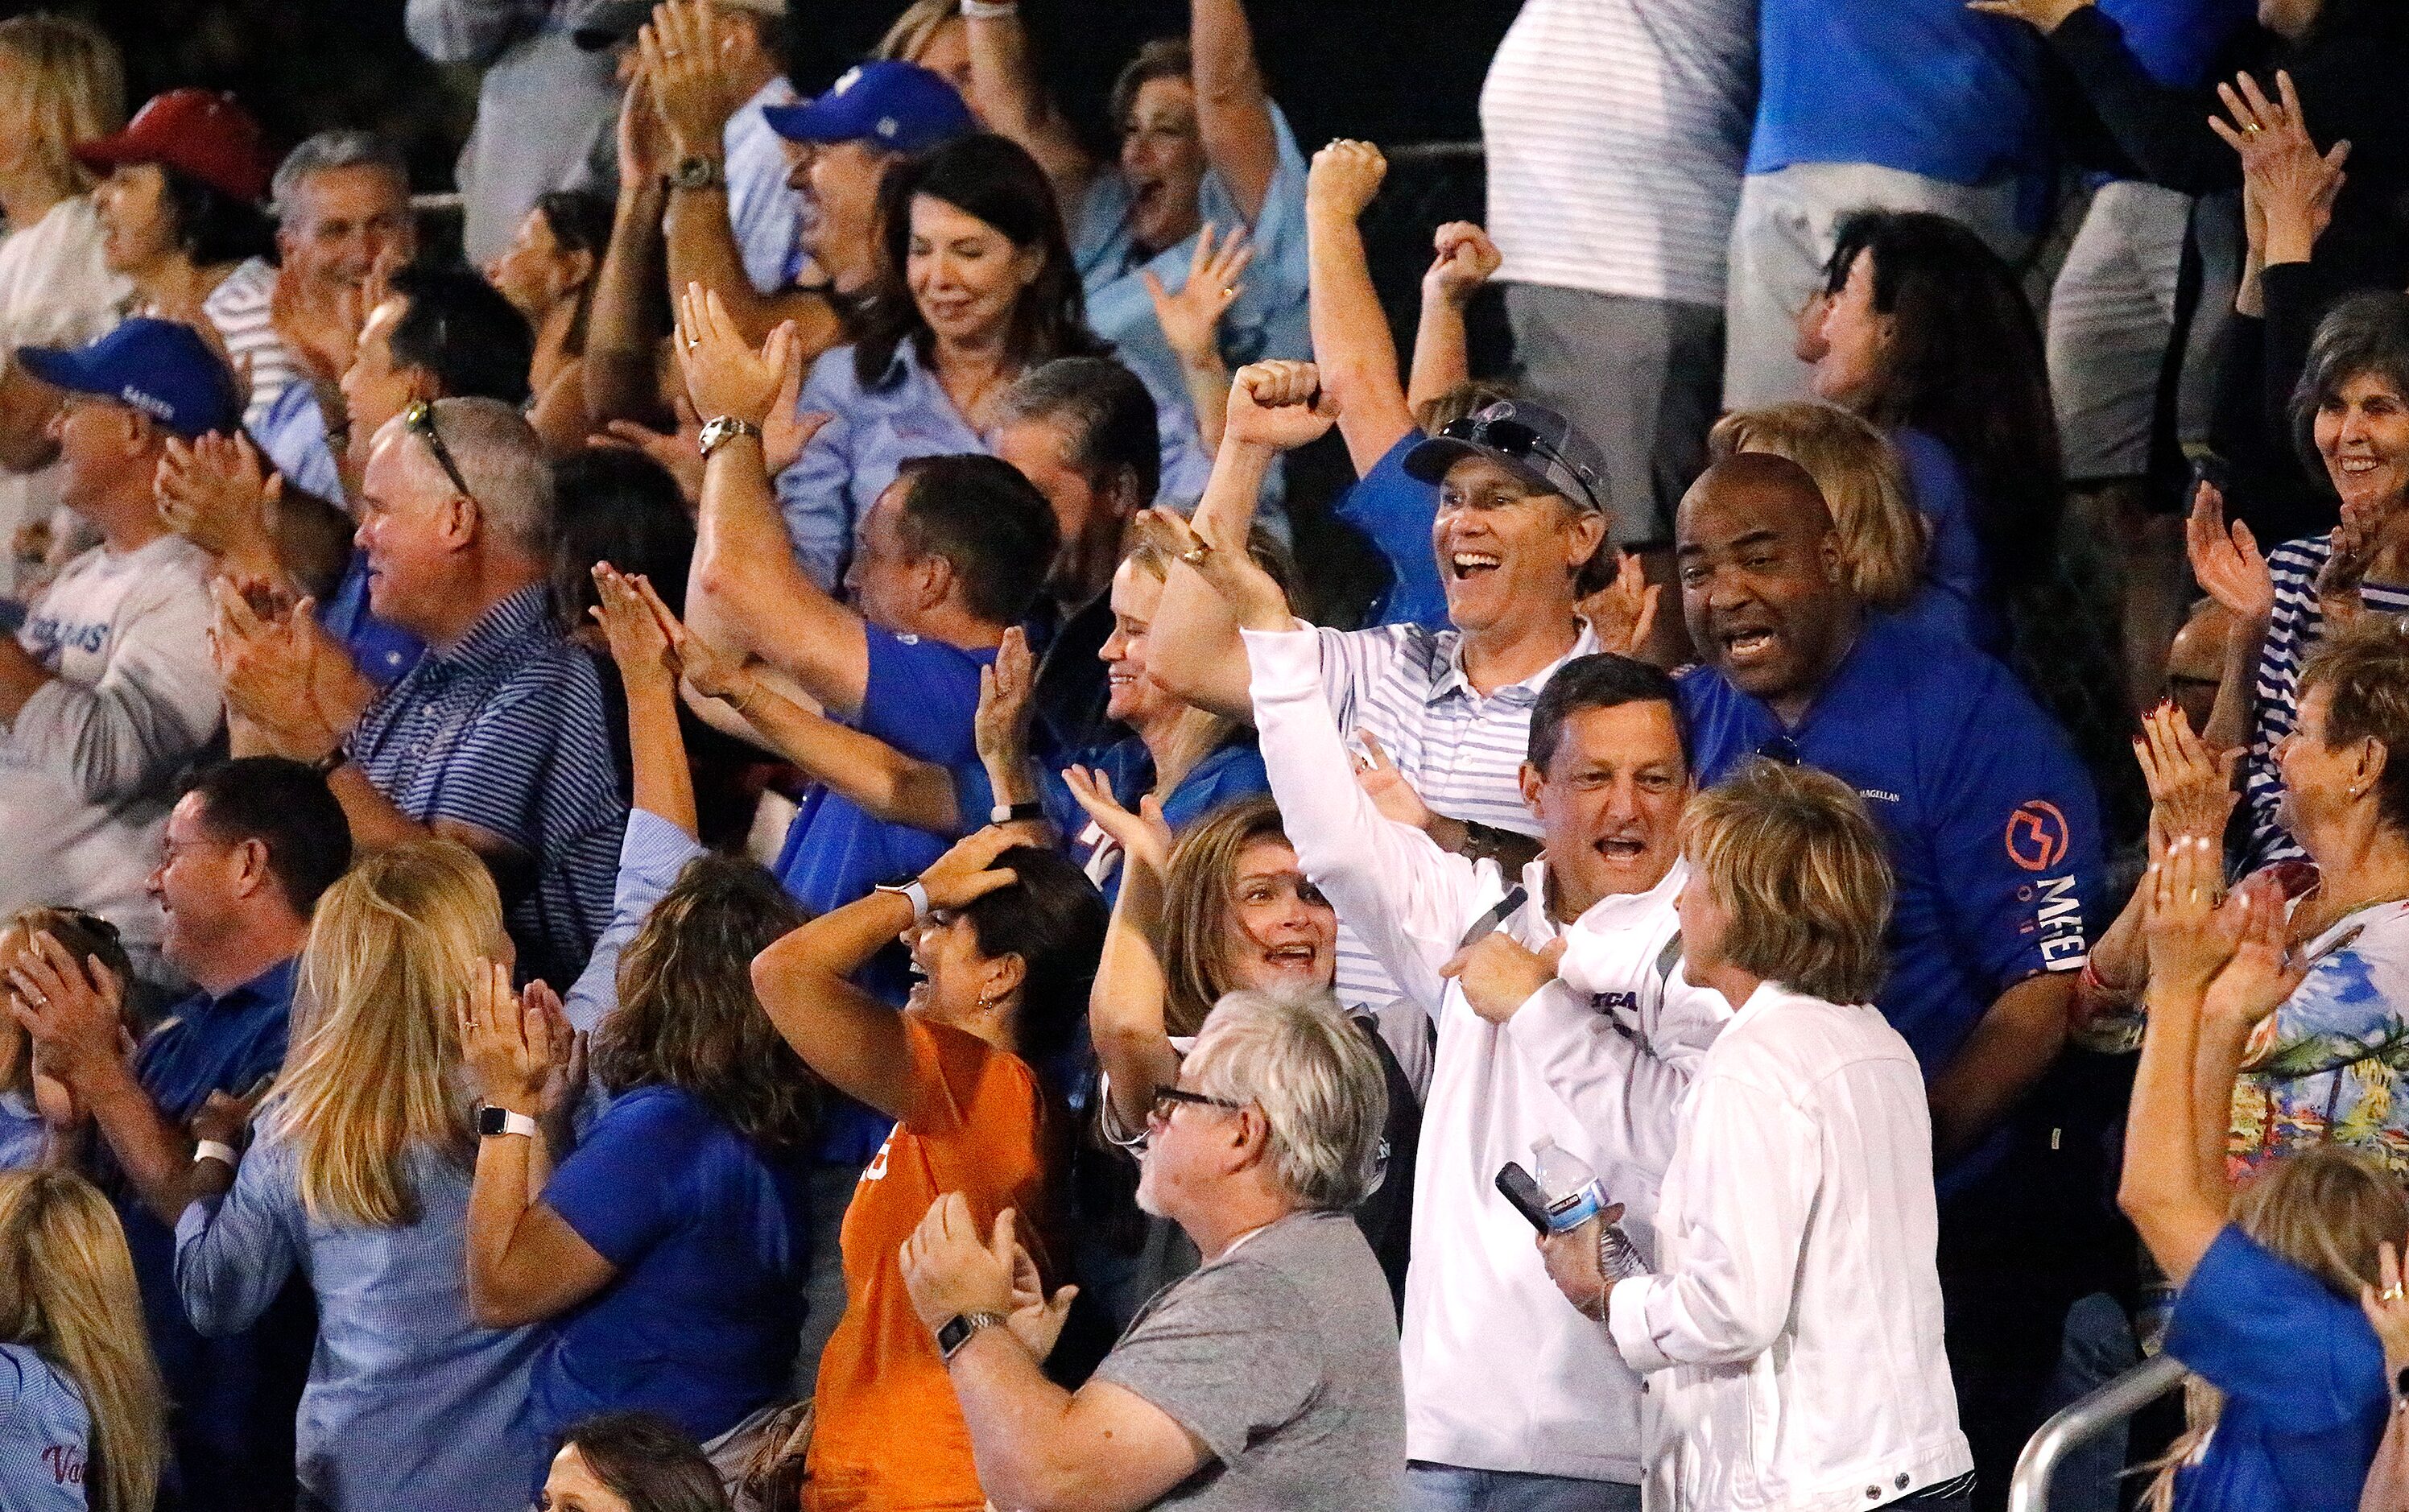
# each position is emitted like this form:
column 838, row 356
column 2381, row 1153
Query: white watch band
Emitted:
column 915, row 893
column 519, row 1123
column 218, row 1150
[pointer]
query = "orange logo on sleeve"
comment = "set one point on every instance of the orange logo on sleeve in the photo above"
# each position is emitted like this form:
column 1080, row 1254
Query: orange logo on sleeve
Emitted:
column 2036, row 835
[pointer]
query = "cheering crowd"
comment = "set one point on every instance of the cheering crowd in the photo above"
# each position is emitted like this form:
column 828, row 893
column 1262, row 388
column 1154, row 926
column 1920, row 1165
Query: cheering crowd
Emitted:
column 752, row 851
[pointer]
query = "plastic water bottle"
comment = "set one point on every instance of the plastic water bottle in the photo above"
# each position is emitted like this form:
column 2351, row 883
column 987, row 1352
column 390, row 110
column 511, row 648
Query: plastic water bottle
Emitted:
column 1573, row 1193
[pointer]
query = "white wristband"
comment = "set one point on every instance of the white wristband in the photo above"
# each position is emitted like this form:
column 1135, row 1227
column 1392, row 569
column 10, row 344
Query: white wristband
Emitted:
column 212, row 1149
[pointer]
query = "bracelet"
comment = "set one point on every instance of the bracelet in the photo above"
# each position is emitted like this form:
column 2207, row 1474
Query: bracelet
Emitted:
column 990, row 9
column 218, row 1150
column 327, row 764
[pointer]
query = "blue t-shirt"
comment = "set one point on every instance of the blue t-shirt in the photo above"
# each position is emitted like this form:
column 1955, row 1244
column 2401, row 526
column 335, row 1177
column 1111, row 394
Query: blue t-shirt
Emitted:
column 1396, row 510
column 711, row 1238
column 1922, row 86
column 1956, row 581
column 45, row 1435
column 1992, row 824
column 1232, row 771
column 2302, row 1373
column 2175, row 40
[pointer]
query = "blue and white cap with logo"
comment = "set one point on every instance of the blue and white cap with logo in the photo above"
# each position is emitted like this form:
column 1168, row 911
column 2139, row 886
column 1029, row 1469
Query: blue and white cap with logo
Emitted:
column 900, row 106
column 159, row 367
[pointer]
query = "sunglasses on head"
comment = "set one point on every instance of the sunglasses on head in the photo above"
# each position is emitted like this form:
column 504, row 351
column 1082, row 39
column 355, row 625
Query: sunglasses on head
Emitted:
column 419, row 420
column 1514, row 438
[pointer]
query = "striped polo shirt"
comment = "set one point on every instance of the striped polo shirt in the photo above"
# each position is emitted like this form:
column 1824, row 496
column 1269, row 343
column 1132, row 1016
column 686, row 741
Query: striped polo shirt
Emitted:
column 1461, row 751
column 240, row 309
column 2292, row 633
column 506, row 730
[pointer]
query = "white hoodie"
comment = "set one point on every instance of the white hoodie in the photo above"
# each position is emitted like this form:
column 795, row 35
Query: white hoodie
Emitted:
column 1500, row 1373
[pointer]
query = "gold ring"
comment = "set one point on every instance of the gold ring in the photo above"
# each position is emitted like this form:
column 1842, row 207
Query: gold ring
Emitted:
column 1194, row 556
column 2250, row 129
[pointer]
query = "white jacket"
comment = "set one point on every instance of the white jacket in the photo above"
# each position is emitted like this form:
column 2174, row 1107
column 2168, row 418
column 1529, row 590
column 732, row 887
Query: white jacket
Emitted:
column 1793, row 1334
column 1500, row 1374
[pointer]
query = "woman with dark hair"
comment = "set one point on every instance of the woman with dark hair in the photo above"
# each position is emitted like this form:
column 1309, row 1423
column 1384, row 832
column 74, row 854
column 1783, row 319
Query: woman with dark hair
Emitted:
column 630, row 1461
column 1005, row 937
column 977, row 287
column 1925, row 334
column 180, row 220
column 547, row 274
column 626, row 509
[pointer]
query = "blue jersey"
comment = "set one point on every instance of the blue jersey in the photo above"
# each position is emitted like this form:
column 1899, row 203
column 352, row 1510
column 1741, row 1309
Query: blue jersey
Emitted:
column 1993, row 827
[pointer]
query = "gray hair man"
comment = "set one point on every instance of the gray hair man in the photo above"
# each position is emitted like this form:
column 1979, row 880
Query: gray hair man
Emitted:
column 1269, row 1376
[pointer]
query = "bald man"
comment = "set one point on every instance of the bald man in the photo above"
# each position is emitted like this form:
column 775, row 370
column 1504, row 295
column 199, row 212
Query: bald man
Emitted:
column 2196, row 667
column 1994, row 838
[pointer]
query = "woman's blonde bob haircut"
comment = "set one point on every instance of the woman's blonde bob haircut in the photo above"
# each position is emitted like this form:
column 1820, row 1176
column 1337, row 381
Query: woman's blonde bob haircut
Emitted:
column 1882, row 539
column 63, row 80
column 1793, row 860
column 394, row 947
column 67, row 1292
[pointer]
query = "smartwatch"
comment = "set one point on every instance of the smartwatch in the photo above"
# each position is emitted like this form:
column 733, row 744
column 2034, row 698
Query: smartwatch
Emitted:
column 492, row 1120
column 1016, row 812
column 718, row 432
column 699, row 173
column 959, row 1328
column 911, row 892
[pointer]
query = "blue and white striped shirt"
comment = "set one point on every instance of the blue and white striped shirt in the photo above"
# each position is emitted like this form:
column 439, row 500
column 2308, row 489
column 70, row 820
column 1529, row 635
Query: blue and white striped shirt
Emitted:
column 410, row 1403
column 1463, row 751
column 2293, row 631
column 45, row 1434
column 506, row 731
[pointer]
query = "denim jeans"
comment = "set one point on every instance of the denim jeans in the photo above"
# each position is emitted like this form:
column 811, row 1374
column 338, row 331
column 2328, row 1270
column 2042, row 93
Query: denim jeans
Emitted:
column 1445, row 1488
column 2097, row 1349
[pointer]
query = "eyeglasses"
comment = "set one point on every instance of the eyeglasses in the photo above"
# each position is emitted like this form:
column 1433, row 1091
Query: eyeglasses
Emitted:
column 419, row 420
column 1168, row 1099
column 1515, row 439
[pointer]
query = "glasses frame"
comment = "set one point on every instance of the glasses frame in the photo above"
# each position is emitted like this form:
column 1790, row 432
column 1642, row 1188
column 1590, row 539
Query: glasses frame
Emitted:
column 418, row 418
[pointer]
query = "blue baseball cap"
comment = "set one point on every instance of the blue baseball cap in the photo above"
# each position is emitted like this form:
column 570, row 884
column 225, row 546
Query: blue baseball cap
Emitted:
column 900, row 106
column 159, row 367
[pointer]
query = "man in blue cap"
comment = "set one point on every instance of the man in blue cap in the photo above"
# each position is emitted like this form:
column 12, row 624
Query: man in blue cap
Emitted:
column 107, row 692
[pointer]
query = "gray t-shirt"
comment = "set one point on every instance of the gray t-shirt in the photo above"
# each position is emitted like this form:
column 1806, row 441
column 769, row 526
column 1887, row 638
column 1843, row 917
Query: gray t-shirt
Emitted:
column 1283, row 1358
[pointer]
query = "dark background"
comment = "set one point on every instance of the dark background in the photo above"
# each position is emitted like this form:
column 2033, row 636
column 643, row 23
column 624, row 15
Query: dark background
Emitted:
column 1394, row 73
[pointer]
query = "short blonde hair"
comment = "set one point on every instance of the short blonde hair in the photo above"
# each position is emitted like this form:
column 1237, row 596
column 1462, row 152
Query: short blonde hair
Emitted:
column 1793, row 860
column 66, row 83
column 1882, row 539
column 394, row 947
column 1294, row 1054
column 2364, row 668
column 912, row 33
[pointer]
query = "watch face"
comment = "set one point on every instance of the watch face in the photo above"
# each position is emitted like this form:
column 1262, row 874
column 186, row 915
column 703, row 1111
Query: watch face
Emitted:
column 492, row 1121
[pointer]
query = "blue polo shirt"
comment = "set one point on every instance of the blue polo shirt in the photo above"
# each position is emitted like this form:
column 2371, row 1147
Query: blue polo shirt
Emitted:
column 1232, row 771
column 382, row 652
column 2302, row 1373
column 920, row 699
column 1396, row 511
column 1992, row 824
column 224, row 1389
column 1923, row 86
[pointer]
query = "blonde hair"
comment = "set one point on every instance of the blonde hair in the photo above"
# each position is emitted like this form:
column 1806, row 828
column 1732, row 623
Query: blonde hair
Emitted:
column 67, row 1292
column 912, row 33
column 1793, row 860
column 394, row 947
column 68, row 86
column 1882, row 539
column 2325, row 1209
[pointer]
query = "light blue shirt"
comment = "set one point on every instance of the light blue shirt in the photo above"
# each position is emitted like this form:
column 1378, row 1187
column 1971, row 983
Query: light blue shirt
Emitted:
column 652, row 854
column 44, row 1433
column 24, row 1139
column 765, row 214
column 410, row 1403
column 873, row 431
column 292, row 434
column 1268, row 320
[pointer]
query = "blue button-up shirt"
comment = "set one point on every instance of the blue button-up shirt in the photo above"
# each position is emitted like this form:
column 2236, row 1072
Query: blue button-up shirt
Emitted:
column 875, row 428
column 507, row 731
column 1266, row 321
column 764, row 214
column 410, row 1403
column 292, row 434
column 1992, row 824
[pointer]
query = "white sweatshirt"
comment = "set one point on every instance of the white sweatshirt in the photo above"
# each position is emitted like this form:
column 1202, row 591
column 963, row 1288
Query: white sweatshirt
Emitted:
column 88, row 768
column 1795, row 1329
column 1500, row 1374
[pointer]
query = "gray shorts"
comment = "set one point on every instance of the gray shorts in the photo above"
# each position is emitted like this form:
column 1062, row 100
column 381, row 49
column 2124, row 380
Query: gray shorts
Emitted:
column 2111, row 314
column 1637, row 376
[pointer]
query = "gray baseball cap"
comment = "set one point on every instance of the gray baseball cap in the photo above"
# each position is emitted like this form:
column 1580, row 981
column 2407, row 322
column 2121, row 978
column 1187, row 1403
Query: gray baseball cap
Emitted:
column 1526, row 438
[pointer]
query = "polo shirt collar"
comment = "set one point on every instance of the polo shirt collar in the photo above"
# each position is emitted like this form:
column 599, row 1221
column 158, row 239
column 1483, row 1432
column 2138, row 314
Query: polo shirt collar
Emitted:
column 525, row 615
column 1452, row 681
column 273, row 985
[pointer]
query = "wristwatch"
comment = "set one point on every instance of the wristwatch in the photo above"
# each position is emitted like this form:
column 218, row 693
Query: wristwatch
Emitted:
column 492, row 1120
column 959, row 1328
column 911, row 892
column 719, row 432
column 699, row 173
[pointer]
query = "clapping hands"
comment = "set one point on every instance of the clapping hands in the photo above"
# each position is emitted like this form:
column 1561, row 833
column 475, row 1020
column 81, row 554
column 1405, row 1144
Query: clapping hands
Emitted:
column 517, row 1049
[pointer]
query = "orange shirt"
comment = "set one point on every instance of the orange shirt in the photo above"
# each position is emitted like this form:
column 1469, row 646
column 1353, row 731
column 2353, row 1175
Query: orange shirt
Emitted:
column 888, row 1435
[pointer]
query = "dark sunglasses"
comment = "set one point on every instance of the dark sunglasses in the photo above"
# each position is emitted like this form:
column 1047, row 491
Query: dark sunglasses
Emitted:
column 419, row 420
column 1515, row 439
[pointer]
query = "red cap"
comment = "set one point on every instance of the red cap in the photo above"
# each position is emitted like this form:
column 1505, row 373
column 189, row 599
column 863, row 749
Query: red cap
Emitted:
column 199, row 133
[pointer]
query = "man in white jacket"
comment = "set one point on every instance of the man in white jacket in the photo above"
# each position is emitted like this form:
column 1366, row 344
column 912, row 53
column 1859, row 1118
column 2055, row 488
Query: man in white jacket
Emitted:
column 107, row 694
column 1509, row 1401
column 1794, row 1279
